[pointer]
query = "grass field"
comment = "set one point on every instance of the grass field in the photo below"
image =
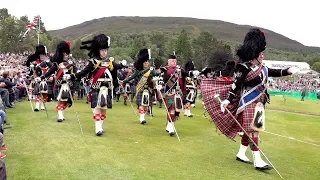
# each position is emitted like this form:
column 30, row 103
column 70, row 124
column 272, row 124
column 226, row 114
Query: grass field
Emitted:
column 41, row 148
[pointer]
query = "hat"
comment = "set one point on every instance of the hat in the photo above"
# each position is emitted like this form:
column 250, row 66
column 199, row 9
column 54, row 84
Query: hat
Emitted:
column 98, row 42
column 62, row 47
column 40, row 49
column 142, row 56
column 254, row 43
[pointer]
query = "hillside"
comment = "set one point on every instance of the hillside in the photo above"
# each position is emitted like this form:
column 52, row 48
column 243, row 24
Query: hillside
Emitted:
column 222, row 30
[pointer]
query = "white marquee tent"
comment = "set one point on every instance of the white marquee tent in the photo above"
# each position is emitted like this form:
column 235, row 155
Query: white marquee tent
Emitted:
column 303, row 66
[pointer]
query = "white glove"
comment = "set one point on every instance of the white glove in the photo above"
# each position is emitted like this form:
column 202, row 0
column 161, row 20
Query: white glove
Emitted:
column 31, row 65
column 66, row 76
column 224, row 104
column 195, row 73
column 159, row 87
column 37, row 79
column 293, row 70
column 124, row 62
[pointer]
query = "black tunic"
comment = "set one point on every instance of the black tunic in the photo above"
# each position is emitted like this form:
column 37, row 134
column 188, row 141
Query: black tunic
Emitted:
column 240, row 75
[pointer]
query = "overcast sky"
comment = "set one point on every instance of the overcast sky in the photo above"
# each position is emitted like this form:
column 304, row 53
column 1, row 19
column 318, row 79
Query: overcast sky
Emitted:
column 296, row 19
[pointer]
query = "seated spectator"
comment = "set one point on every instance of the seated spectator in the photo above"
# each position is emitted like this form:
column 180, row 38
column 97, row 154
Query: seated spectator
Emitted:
column 3, row 173
column 2, row 119
column 4, row 95
column 20, row 90
column 2, row 147
column 9, row 86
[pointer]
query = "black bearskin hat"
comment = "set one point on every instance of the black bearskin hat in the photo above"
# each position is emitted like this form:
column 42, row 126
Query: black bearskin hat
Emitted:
column 98, row 42
column 142, row 57
column 189, row 66
column 41, row 49
column 172, row 57
column 254, row 43
column 62, row 47
column 205, row 71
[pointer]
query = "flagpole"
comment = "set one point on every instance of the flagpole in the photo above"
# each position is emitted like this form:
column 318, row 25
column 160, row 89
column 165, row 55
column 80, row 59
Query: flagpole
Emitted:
column 39, row 31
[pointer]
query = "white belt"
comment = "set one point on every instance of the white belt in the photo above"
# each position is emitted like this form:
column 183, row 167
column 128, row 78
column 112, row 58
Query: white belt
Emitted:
column 97, row 84
column 190, row 86
column 104, row 79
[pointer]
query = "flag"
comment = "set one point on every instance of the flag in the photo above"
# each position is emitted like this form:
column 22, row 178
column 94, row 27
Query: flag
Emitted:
column 31, row 26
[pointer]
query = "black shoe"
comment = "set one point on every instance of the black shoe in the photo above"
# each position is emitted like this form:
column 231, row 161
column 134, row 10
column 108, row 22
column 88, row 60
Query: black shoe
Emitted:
column 143, row 122
column 36, row 110
column 190, row 115
column 99, row 133
column 60, row 120
column 247, row 162
column 9, row 106
column 172, row 133
column 266, row 167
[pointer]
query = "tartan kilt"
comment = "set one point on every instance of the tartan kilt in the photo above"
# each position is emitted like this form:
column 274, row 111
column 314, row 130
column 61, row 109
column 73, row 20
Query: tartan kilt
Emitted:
column 246, row 116
column 224, row 121
column 170, row 103
column 139, row 98
column 133, row 89
column 185, row 101
column 119, row 90
column 35, row 90
column 94, row 98
column 50, row 87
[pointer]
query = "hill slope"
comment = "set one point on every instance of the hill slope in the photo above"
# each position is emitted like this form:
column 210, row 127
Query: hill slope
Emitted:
column 223, row 30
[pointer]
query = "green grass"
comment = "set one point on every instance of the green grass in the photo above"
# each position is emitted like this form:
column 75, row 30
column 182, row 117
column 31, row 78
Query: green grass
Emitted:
column 294, row 104
column 39, row 148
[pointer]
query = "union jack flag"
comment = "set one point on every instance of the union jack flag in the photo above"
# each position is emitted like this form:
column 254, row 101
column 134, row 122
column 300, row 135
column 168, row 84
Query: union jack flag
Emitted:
column 31, row 26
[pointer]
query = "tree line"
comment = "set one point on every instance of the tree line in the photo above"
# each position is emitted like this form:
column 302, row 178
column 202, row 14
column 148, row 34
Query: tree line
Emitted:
column 201, row 47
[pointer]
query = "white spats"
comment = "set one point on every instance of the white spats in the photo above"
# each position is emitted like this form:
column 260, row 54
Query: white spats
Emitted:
column 258, row 162
column 242, row 153
column 37, row 105
column 187, row 112
column 101, row 122
column 98, row 127
column 170, row 128
column 142, row 119
column 42, row 106
column 60, row 115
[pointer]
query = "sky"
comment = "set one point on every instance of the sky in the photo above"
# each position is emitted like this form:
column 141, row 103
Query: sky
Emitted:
column 295, row 19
